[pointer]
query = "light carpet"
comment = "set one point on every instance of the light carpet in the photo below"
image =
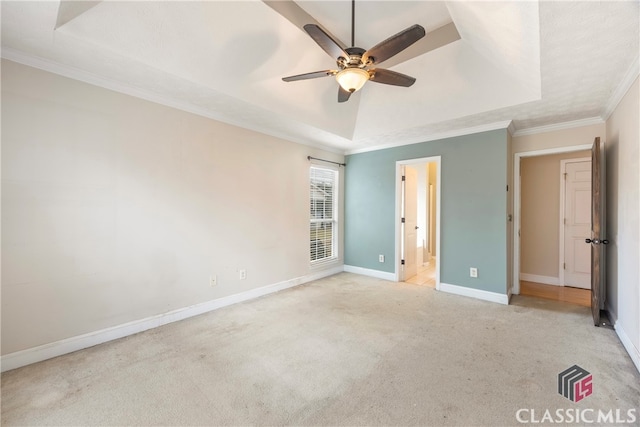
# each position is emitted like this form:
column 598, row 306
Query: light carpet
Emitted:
column 344, row 350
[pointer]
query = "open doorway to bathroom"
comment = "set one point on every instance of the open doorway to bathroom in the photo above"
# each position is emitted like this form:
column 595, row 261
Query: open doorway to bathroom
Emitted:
column 419, row 219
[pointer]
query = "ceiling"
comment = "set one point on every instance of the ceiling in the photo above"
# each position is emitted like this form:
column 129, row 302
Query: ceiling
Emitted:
column 482, row 65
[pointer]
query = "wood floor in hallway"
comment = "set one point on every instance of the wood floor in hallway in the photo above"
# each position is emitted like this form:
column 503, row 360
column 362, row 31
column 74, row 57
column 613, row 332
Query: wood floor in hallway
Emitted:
column 557, row 293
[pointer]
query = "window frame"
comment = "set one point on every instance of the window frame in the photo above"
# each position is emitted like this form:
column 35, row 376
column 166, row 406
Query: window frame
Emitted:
column 334, row 219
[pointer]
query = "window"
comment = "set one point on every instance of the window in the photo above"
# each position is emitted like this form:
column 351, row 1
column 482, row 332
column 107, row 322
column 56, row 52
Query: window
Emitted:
column 323, row 209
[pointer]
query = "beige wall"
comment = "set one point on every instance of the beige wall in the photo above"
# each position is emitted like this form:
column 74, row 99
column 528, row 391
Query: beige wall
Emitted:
column 115, row 209
column 540, row 213
column 557, row 139
column 532, row 260
column 623, row 220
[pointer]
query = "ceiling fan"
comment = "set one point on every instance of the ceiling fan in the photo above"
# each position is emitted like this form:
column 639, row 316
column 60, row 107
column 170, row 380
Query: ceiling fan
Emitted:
column 355, row 64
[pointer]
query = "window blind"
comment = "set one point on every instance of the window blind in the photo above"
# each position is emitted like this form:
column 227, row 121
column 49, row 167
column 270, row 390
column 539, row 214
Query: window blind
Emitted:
column 323, row 208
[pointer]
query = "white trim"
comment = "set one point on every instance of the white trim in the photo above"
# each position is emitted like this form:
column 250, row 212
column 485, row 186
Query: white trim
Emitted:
column 398, row 212
column 105, row 83
column 335, row 229
column 58, row 348
column 399, row 230
column 563, row 210
column 370, row 272
column 325, row 263
column 475, row 293
column 561, row 223
column 634, row 352
column 559, row 126
column 546, row 280
column 517, row 157
column 622, row 89
column 557, row 150
column 435, row 136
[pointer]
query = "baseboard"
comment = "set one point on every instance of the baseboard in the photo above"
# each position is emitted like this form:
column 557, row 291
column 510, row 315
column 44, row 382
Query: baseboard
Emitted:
column 69, row 345
column 475, row 293
column 546, row 280
column 633, row 351
column 371, row 273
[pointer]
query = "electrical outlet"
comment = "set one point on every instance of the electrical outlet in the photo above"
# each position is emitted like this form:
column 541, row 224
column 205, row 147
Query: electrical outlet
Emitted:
column 243, row 274
column 213, row 280
column 473, row 272
column 380, row 258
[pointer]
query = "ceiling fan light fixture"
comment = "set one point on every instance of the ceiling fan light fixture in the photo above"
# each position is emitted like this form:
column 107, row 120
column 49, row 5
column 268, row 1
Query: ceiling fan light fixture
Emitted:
column 352, row 79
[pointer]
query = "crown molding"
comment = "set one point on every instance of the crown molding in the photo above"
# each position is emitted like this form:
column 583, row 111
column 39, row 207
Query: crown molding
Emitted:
column 436, row 136
column 78, row 74
column 559, row 126
column 621, row 90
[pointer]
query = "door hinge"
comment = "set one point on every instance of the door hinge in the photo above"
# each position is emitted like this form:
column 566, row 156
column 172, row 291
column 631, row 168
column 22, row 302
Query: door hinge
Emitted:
column 565, row 175
column 564, row 265
column 402, row 220
column 565, row 221
column 402, row 262
column 403, row 178
column 507, row 188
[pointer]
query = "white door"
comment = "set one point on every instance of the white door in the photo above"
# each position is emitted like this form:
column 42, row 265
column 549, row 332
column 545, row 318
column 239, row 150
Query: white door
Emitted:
column 577, row 224
column 410, row 222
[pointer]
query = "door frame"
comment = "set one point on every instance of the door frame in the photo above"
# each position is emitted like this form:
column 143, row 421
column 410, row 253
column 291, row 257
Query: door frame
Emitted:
column 398, row 226
column 562, row 257
column 517, row 157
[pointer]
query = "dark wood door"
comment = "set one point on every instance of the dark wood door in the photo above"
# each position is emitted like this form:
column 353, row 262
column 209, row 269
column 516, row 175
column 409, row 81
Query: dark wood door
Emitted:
column 597, row 239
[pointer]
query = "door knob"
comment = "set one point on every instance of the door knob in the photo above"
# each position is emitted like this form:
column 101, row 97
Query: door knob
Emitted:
column 597, row 241
column 417, row 227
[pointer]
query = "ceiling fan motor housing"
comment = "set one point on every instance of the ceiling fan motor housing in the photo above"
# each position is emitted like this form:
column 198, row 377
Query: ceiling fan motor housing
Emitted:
column 354, row 60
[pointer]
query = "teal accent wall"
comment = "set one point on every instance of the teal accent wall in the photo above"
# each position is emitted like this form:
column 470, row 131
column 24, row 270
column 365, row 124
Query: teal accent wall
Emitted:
column 473, row 207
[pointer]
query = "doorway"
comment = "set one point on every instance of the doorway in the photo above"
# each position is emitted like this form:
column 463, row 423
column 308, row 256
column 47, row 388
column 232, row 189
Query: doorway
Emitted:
column 551, row 259
column 418, row 221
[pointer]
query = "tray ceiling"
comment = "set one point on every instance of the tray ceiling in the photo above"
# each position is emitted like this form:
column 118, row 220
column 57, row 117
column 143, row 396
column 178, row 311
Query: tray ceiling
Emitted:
column 532, row 63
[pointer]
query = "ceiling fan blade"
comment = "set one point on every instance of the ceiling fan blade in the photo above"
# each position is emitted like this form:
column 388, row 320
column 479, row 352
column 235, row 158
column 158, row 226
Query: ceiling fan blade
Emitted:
column 325, row 41
column 307, row 76
column 437, row 38
column 394, row 44
column 343, row 95
column 388, row 77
